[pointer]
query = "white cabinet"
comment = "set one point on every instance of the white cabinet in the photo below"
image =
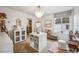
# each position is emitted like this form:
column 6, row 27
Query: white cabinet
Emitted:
column 38, row 41
column 19, row 35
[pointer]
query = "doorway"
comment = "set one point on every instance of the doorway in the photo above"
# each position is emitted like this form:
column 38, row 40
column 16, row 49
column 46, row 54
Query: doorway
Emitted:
column 29, row 26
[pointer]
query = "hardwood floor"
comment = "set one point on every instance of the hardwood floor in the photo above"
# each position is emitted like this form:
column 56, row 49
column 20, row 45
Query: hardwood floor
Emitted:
column 24, row 47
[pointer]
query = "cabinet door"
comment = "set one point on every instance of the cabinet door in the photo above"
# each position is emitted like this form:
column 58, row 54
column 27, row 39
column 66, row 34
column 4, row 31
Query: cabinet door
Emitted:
column 17, row 39
column 23, row 32
column 23, row 37
column 18, row 33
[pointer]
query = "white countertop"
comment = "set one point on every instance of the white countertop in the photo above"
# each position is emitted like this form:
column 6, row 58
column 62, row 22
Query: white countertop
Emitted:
column 34, row 33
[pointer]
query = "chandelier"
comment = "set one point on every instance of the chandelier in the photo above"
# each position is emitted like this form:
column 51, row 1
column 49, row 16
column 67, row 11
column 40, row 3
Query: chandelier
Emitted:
column 39, row 12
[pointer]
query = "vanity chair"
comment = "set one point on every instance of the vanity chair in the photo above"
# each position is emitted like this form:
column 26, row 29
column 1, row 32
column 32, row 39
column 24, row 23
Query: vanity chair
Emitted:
column 62, row 41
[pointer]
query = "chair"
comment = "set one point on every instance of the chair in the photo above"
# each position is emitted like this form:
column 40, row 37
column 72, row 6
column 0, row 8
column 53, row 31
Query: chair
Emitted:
column 62, row 45
column 62, row 41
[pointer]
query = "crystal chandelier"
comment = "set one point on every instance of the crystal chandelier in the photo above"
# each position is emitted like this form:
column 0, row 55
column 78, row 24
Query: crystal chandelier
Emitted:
column 39, row 12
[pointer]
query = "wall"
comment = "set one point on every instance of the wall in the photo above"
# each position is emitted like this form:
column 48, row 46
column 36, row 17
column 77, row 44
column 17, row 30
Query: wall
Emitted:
column 6, row 44
column 12, row 15
column 51, row 17
column 48, row 17
column 76, row 18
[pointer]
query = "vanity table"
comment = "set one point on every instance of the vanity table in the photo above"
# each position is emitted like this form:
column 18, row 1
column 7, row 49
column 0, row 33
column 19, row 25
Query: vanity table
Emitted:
column 38, row 41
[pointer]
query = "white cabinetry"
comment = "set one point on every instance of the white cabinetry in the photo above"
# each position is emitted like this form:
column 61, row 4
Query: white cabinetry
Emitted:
column 19, row 35
column 38, row 41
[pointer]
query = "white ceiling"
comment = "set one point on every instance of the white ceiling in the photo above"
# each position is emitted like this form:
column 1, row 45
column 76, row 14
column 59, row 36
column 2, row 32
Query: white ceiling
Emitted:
column 47, row 9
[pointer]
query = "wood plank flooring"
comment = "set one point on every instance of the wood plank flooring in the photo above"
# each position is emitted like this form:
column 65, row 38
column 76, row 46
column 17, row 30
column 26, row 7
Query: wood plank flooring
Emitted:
column 24, row 47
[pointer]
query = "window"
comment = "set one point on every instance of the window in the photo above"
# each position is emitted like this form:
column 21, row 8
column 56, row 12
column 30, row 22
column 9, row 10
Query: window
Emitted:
column 58, row 21
column 65, row 20
column 57, row 25
column 61, row 24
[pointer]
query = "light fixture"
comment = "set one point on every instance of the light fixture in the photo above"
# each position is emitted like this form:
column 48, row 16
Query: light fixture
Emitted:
column 39, row 12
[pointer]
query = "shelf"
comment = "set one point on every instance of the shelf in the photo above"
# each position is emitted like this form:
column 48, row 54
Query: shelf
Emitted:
column 34, row 48
column 38, row 41
column 22, row 35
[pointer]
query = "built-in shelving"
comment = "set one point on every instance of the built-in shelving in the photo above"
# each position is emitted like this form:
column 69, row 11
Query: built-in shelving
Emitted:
column 38, row 41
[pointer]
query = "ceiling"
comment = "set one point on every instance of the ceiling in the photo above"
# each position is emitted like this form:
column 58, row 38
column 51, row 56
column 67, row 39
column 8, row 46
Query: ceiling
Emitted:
column 47, row 9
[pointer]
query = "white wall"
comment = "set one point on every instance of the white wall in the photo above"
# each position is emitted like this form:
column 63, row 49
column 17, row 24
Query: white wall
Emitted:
column 6, row 44
column 12, row 15
column 76, row 18
column 48, row 17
